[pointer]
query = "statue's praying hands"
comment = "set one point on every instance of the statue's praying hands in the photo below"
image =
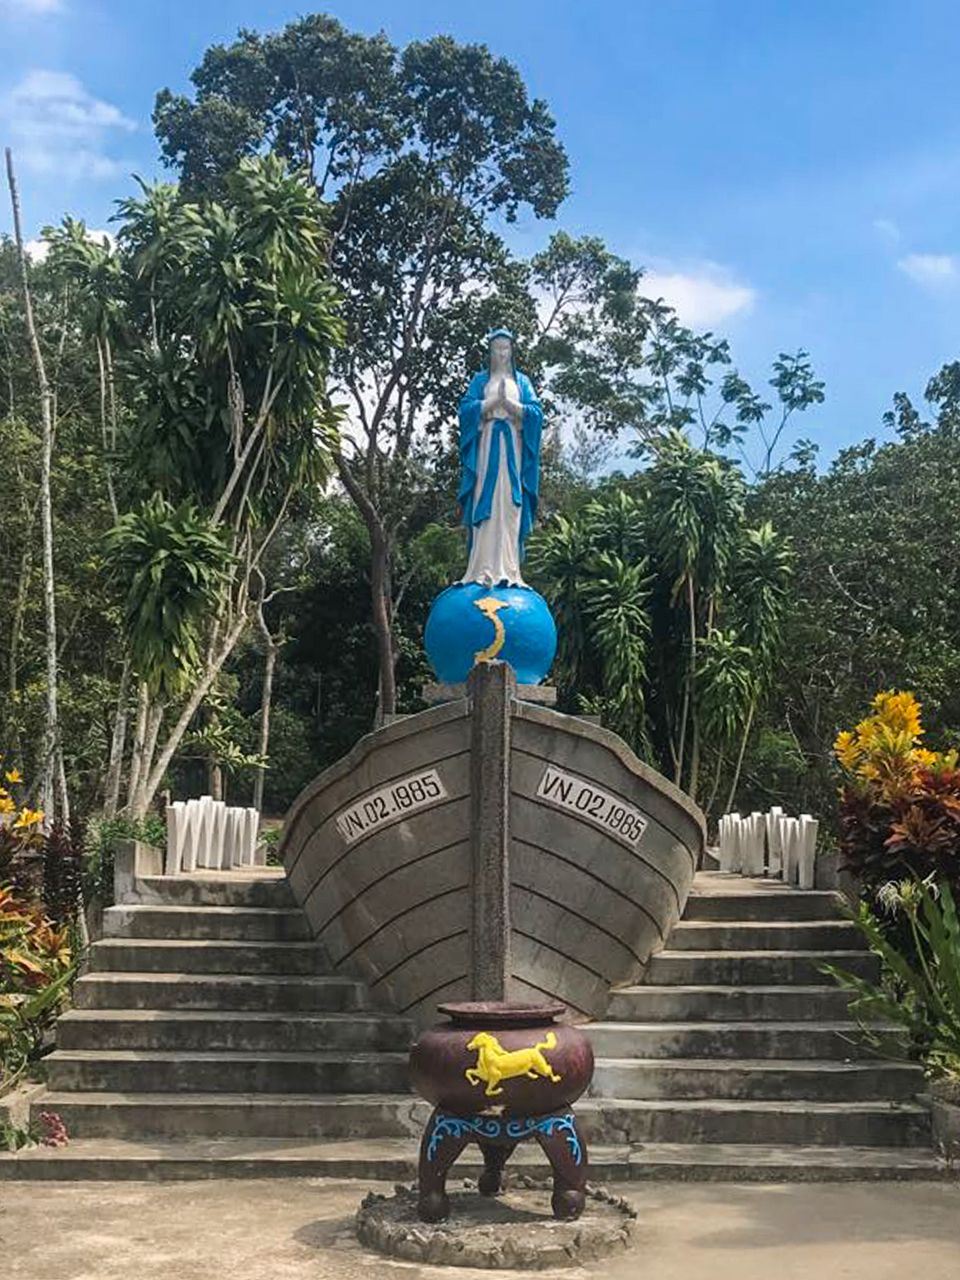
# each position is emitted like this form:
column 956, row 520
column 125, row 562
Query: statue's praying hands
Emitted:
column 502, row 400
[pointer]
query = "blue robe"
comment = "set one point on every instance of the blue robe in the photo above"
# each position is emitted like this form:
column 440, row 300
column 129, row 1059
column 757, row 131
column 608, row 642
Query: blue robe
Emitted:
column 524, row 473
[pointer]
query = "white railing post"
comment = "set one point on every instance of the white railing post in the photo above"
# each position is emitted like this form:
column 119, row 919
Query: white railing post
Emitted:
column 774, row 842
column 808, row 851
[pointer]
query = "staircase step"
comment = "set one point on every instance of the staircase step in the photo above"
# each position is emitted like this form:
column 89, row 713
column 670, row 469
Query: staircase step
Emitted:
column 396, row 1160
column 158, row 1071
column 749, row 968
column 765, row 935
column 772, row 904
column 195, row 1030
column 227, row 991
column 726, row 1040
column 190, row 1114
column 728, row 1004
column 262, row 888
column 755, row 1079
column 725, row 1120
column 125, row 1115
column 142, row 955
column 237, row 924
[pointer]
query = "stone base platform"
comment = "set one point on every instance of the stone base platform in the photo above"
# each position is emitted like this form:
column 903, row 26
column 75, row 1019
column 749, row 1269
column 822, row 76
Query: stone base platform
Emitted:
column 515, row 1230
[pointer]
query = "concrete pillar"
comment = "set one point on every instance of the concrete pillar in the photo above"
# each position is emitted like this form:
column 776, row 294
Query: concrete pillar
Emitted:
column 491, row 686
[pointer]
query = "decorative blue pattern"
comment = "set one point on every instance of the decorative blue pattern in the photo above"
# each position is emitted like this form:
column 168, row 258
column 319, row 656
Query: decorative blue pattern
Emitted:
column 516, row 1130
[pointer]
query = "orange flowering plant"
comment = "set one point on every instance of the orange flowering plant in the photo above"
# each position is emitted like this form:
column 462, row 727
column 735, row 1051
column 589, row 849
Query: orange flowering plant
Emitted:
column 900, row 803
column 37, row 963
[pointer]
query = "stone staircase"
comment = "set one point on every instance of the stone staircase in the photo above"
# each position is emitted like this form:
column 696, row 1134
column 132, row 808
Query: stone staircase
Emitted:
column 207, row 1041
column 737, row 1040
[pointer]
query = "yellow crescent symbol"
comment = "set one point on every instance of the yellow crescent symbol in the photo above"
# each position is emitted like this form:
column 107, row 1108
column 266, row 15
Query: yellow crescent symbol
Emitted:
column 489, row 606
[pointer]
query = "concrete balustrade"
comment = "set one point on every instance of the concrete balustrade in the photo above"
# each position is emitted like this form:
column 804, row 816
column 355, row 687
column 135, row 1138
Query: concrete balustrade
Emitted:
column 207, row 834
column 771, row 844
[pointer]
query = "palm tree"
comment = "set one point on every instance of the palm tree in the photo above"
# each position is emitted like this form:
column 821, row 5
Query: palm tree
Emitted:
column 696, row 507
column 760, row 580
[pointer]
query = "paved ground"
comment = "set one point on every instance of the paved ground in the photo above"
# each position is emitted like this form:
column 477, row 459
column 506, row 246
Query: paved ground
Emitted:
column 300, row 1230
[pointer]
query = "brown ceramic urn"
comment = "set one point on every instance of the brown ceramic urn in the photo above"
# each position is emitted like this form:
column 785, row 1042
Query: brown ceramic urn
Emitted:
column 512, row 1058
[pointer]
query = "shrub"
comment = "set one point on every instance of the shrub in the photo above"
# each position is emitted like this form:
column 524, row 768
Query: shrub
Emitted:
column 101, row 843
column 919, row 992
column 39, row 901
column 37, row 966
column 900, row 803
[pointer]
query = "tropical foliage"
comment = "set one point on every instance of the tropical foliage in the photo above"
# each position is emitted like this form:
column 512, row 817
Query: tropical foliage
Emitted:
column 240, row 587
column 918, row 995
column 37, row 945
column 900, row 803
column 669, row 607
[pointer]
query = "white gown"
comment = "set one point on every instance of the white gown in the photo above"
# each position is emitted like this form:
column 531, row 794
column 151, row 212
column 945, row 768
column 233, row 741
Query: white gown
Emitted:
column 495, row 548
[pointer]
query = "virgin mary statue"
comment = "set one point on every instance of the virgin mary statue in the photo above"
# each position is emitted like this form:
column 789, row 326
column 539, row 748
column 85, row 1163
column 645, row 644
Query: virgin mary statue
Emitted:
column 501, row 422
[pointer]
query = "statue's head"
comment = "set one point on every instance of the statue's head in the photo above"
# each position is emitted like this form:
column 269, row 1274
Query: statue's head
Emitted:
column 500, row 343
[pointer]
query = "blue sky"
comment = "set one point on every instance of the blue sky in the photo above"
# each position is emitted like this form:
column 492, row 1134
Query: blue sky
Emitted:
column 789, row 173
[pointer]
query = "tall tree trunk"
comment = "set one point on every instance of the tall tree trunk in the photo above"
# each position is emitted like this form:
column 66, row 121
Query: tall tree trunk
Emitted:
column 199, row 692
column 687, row 686
column 742, row 752
column 379, row 591
column 266, row 700
column 139, row 738
column 693, row 781
column 111, row 788
column 51, row 729
column 154, row 719
column 61, row 784
column 13, row 745
column 379, row 587
column 214, row 779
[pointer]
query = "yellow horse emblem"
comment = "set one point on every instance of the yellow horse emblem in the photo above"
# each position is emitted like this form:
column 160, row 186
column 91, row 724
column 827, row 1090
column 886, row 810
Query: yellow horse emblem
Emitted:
column 494, row 1063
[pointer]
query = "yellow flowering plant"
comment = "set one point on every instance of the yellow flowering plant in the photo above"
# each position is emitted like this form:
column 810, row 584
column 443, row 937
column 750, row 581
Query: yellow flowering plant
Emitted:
column 900, row 802
column 37, row 955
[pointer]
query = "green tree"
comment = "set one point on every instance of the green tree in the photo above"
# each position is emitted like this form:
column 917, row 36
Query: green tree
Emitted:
column 229, row 320
column 874, row 599
column 416, row 152
column 668, row 605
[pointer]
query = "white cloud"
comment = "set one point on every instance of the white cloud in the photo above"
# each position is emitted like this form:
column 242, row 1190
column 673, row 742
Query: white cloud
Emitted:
column 932, row 270
column 703, row 295
column 887, row 229
column 37, row 250
column 57, row 127
column 31, row 6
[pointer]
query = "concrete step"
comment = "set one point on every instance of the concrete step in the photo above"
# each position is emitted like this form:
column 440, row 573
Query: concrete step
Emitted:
column 766, row 935
column 193, row 1030
column 396, row 1160
column 754, row 968
column 143, row 955
column 773, row 904
column 727, row 1040
column 722, row 1120
column 238, row 924
column 264, row 888
column 225, row 991
column 755, row 1079
column 269, row 1115
column 192, row 1114
column 728, row 1004
column 160, row 1071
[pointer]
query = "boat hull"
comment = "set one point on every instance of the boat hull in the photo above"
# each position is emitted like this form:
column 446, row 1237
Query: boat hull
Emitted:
column 602, row 852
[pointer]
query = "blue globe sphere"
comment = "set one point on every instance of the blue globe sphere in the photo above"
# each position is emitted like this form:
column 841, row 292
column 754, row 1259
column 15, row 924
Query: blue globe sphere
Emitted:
column 469, row 622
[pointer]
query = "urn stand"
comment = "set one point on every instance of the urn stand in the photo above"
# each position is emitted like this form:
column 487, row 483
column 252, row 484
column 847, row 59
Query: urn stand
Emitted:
column 500, row 1073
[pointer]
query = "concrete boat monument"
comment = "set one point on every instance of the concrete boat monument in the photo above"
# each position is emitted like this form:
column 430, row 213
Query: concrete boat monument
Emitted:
column 491, row 852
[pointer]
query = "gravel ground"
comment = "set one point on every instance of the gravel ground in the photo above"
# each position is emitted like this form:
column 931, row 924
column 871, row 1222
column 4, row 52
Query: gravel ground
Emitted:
column 302, row 1230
